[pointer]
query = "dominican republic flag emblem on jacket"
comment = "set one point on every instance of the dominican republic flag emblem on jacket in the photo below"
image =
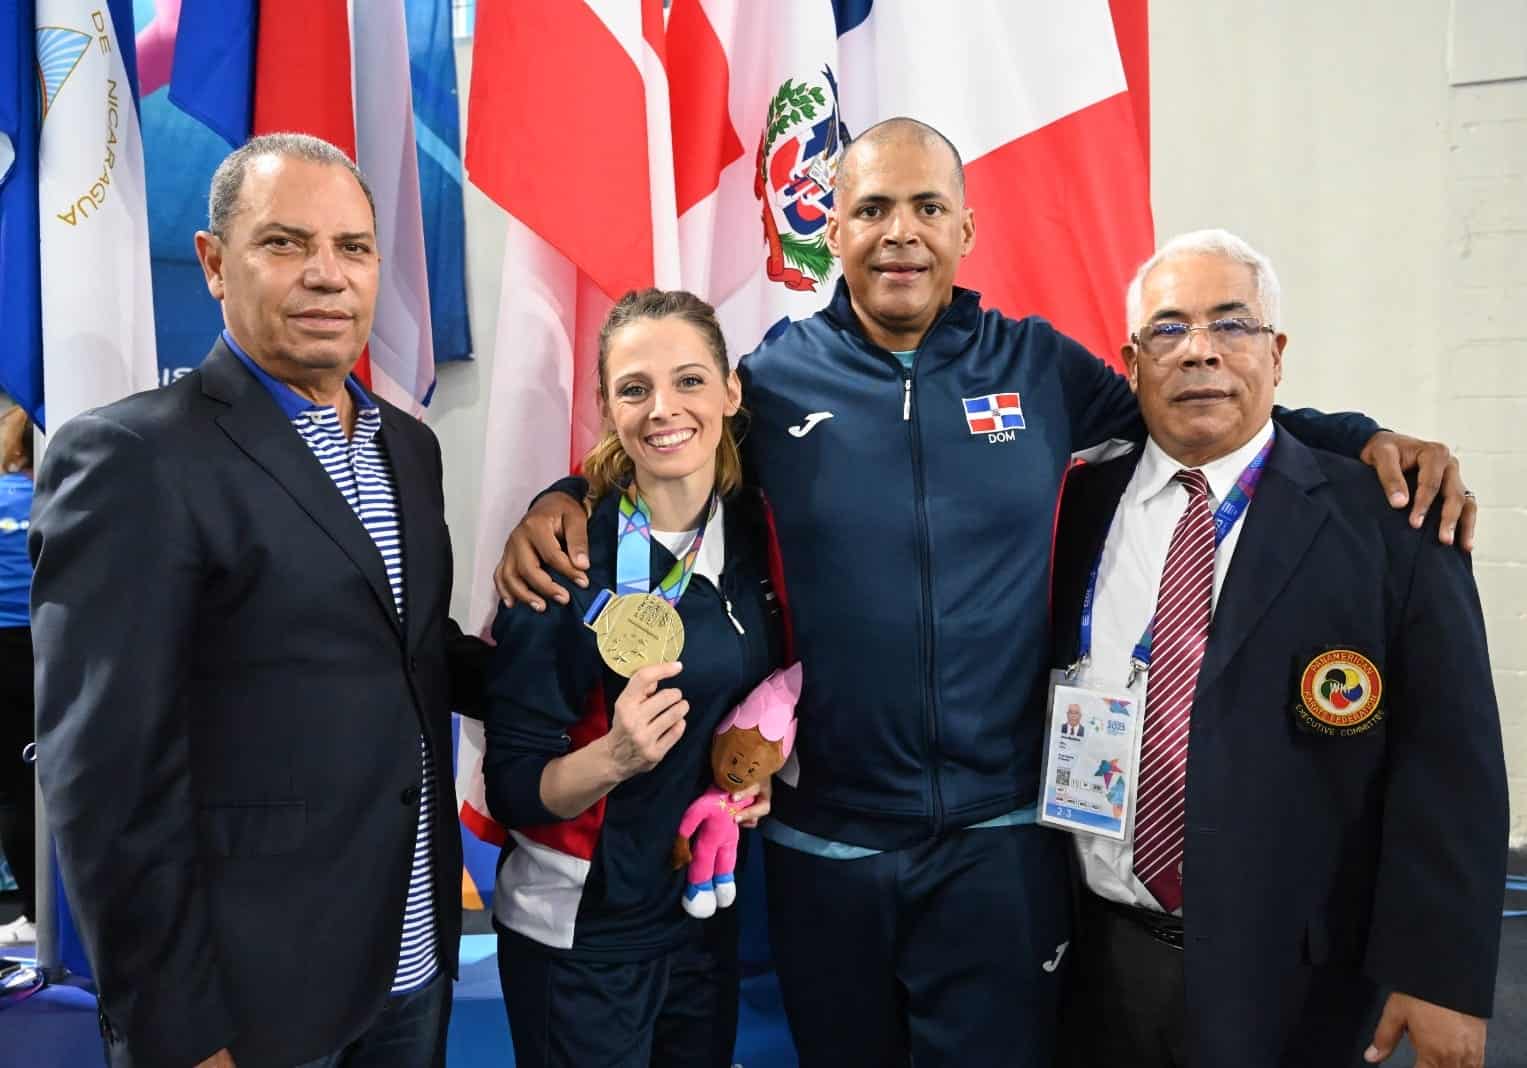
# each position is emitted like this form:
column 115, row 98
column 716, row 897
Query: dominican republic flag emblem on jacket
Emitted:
column 996, row 411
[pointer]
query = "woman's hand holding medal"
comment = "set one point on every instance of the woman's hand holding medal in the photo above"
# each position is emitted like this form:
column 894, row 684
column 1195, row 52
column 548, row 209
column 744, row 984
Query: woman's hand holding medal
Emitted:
column 648, row 721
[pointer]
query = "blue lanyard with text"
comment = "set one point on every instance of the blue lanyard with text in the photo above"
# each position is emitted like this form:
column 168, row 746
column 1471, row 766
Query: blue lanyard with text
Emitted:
column 1226, row 515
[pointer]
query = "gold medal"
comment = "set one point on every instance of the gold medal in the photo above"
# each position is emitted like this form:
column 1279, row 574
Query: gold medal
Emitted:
column 636, row 630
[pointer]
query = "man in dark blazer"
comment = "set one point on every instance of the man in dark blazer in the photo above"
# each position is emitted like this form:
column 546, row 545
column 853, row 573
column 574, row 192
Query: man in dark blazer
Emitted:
column 243, row 681
column 1331, row 875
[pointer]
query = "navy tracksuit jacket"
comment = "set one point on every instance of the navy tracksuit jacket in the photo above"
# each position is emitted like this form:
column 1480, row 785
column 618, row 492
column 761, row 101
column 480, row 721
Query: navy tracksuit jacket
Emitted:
column 915, row 540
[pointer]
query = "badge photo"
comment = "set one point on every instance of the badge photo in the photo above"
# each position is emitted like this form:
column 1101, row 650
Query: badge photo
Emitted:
column 1093, row 747
column 1338, row 694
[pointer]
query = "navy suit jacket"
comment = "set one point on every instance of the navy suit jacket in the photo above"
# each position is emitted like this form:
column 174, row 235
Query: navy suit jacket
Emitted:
column 229, row 711
column 1322, row 871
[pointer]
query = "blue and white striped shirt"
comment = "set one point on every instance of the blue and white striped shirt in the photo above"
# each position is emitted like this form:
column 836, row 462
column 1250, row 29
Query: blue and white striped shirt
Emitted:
column 358, row 466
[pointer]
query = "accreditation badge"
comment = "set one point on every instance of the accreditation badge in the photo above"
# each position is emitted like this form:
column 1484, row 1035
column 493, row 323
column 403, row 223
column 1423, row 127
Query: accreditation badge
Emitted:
column 1092, row 747
column 635, row 630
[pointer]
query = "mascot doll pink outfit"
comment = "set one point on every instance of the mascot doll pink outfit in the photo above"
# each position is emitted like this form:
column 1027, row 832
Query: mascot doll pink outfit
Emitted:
column 752, row 743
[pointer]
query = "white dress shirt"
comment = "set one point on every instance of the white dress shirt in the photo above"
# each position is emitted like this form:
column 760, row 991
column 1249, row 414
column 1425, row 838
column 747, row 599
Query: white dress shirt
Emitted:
column 1128, row 581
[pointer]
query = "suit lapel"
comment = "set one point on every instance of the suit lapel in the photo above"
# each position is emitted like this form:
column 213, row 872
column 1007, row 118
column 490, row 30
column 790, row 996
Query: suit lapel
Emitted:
column 411, row 480
column 1280, row 526
column 1090, row 499
column 256, row 424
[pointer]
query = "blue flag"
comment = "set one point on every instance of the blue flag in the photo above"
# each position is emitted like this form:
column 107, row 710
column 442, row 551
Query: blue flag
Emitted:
column 187, row 130
column 432, row 68
column 20, row 299
column 213, row 79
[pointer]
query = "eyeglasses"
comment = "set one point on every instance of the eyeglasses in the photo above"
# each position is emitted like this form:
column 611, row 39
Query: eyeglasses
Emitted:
column 1229, row 336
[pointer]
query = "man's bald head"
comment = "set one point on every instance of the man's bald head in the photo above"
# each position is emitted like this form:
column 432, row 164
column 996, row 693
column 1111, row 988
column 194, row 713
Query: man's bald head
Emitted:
column 900, row 227
column 898, row 131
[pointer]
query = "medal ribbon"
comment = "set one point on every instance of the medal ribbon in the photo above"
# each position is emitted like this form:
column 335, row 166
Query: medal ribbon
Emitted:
column 633, row 553
column 1226, row 515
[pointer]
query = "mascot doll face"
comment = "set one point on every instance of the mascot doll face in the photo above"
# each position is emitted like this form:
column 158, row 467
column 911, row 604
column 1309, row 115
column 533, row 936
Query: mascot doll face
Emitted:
column 742, row 756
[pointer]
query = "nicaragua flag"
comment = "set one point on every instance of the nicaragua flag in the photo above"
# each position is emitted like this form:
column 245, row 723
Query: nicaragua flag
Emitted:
column 1046, row 103
column 96, row 297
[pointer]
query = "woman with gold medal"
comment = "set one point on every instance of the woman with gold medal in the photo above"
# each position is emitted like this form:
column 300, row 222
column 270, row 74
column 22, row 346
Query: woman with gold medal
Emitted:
column 600, row 714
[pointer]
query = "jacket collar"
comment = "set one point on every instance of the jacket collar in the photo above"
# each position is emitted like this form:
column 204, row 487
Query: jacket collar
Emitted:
column 1278, row 531
column 256, row 424
column 948, row 337
column 292, row 403
column 1280, row 527
column 738, row 518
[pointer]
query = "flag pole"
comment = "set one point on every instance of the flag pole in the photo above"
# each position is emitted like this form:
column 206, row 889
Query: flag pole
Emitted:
column 45, row 878
column 47, row 911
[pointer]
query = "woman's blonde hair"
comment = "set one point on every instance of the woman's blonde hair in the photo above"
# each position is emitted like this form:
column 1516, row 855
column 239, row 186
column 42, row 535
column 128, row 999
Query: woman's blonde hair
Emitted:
column 607, row 466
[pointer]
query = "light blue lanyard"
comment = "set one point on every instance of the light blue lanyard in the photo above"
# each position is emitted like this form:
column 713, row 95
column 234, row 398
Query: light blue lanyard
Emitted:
column 1225, row 517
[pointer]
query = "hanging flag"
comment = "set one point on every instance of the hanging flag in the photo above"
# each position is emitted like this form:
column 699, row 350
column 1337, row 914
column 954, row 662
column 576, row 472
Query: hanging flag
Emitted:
column 757, row 134
column 437, row 124
column 341, row 72
column 402, row 344
column 567, row 131
column 96, row 295
column 155, row 41
column 20, row 298
column 303, row 81
column 180, row 154
column 212, row 79
column 1034, row 97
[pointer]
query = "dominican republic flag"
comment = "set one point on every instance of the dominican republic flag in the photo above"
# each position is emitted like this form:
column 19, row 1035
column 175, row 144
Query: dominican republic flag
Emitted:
column 997, row 411
column 1046, row 103
column 77, row 302
column 567, row 131
column 341, row 72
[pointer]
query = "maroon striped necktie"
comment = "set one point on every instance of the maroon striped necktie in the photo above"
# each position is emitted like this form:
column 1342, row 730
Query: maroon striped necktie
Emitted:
column 1177, row 649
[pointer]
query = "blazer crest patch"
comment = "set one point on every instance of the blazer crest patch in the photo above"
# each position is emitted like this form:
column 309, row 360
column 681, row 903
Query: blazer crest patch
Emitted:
column 1339, row 694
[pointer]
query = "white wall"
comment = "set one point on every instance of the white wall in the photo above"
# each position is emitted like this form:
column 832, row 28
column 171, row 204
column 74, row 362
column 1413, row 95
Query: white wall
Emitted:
column 1393, row 202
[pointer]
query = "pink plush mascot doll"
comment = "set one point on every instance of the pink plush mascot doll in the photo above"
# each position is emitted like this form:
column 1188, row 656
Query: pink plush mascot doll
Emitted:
column 752, row 743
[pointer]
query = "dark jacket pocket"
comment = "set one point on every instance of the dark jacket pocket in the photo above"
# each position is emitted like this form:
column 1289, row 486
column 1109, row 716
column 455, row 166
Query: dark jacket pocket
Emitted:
column 252, row 828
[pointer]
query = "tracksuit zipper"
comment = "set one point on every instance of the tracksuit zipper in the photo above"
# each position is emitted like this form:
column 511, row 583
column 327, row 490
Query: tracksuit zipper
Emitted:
column 930, row 693
column 726, row 606
column 726, row 602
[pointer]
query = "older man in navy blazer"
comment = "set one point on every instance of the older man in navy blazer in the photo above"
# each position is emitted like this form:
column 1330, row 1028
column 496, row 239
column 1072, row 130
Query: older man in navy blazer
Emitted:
column 1314, row 861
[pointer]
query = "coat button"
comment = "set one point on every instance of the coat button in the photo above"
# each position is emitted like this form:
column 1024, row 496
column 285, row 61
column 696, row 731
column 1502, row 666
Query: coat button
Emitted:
column 410, row 795
column 413, row 664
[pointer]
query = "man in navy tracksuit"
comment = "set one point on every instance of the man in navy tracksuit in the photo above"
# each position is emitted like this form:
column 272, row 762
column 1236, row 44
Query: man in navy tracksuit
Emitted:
column 912, row 446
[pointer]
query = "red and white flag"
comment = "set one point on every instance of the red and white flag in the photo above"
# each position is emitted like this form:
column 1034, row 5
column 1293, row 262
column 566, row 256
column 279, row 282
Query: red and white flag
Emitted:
column 567, row 131
column 1034, row 96
column 725, row 188
column 402, row 349
column 314, row 62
